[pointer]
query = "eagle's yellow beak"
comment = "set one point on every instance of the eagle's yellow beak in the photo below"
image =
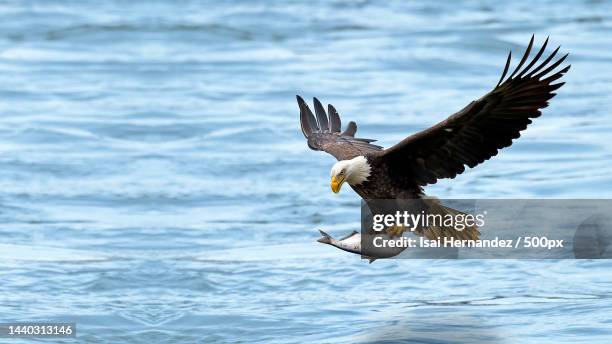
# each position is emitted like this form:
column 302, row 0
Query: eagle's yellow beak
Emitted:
column 336, row 183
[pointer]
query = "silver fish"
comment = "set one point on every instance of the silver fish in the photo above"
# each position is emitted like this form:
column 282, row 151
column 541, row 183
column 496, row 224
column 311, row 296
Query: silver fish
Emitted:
column 352, row 243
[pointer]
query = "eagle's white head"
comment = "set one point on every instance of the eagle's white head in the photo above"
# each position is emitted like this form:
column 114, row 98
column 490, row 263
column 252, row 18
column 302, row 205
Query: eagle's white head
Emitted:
column 354, row 172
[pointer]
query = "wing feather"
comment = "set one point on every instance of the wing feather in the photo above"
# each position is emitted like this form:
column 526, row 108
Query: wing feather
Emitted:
column 351, row 129
column 321, row 115
column 323, row 133
column 483, row 127
column 334, row 119
column 307, row 119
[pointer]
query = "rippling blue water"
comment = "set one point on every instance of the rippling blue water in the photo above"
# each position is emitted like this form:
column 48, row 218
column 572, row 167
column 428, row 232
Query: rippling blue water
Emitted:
column 155, row 185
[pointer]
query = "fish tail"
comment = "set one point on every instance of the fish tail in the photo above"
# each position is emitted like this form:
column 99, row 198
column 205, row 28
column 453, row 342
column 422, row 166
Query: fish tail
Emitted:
column 325, row 239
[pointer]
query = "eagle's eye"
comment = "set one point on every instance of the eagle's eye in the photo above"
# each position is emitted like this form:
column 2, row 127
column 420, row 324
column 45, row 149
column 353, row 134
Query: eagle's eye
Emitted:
column 342, row 172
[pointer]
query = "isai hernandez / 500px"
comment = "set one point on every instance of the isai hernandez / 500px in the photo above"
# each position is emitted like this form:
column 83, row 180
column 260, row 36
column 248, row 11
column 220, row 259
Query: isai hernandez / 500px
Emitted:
column 525, row 242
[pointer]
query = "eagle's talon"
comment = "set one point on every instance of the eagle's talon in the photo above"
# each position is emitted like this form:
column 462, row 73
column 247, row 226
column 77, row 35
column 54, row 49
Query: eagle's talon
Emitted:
column 395, row 231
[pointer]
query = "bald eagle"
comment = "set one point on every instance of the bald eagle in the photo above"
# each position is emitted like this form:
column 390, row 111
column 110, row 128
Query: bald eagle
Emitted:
column 468, row 137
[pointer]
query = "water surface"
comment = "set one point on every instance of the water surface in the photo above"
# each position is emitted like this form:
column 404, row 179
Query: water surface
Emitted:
column 155, row 185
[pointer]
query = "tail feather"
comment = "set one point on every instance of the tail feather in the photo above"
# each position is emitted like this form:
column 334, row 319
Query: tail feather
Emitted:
column 434, row 231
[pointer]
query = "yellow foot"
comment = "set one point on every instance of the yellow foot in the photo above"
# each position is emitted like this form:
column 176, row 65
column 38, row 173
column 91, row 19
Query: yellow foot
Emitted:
column 395, row 231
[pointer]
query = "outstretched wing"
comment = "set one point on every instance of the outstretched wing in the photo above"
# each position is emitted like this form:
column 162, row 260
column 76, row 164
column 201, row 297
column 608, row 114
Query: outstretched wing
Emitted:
column 323, row 132
column 476, row 133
